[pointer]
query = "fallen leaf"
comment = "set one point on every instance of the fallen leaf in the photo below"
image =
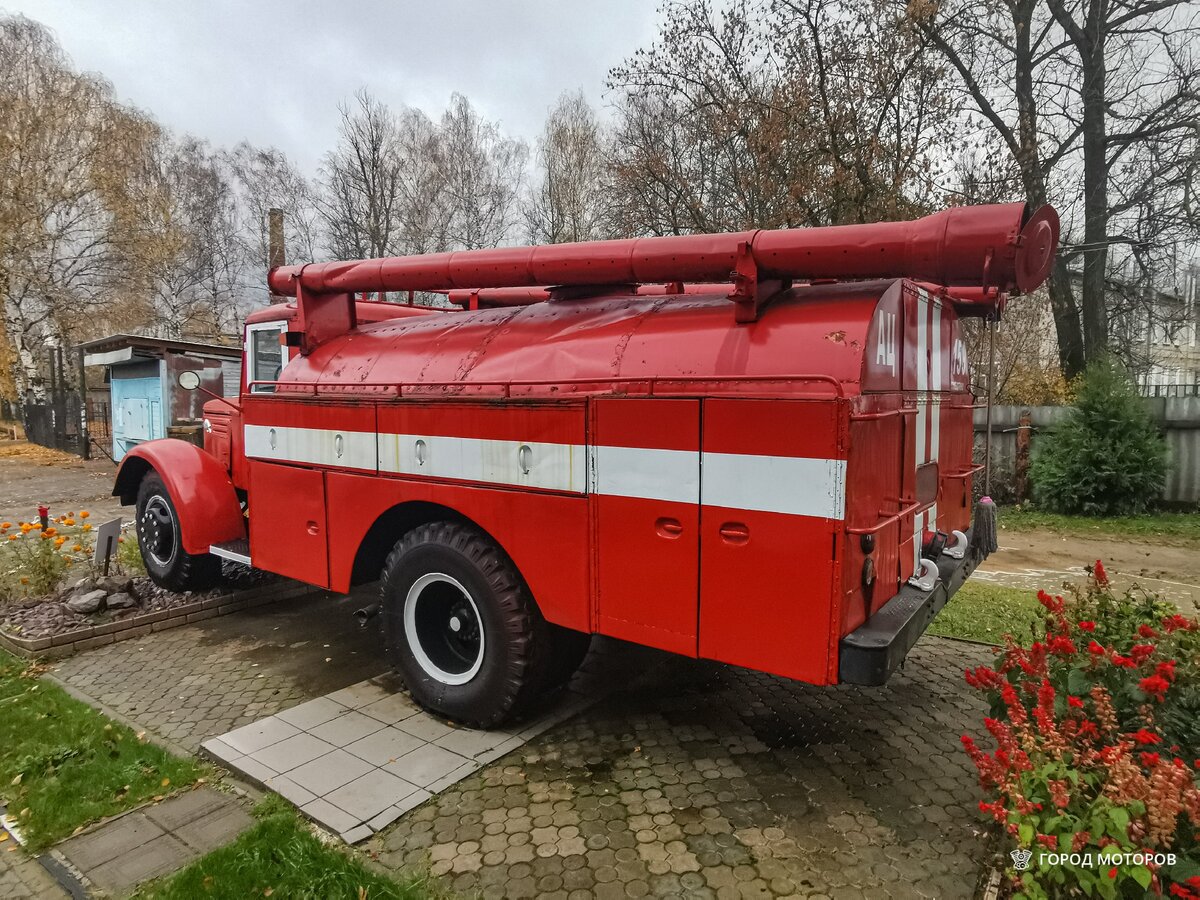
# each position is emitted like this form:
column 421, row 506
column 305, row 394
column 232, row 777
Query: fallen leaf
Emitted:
column 208, row 881
column 268, row 892
column 17, row 780
column 166, row 781
column 3, row 836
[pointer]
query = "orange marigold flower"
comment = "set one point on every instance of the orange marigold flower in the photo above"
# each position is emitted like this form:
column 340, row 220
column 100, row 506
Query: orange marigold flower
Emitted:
column 77, row 547
column 4, row 526
column 68, row 521
column 26, row 528
column 83, row 514
column 87, row 527
column 59, row 541
column 13, row 537
column 24, row 580
column 51, row 531
column 46, row 535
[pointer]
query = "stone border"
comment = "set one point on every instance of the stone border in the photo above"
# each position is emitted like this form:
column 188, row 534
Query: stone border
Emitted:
column 78, row 639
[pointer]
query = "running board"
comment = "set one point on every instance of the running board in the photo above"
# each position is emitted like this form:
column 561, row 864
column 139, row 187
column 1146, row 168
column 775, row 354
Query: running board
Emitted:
column 236, row 551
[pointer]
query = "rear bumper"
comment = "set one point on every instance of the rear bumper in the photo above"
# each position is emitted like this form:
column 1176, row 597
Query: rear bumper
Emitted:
column 869, row 654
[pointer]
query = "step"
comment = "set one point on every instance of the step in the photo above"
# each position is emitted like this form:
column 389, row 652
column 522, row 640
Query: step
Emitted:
column 237, row 551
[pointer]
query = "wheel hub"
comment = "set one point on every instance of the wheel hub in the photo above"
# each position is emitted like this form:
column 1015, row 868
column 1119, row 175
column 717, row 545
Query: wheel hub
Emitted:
column 157, row 530
column 443, row 629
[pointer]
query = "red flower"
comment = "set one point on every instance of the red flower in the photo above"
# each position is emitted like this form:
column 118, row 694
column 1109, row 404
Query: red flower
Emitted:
column 1124, row 662
column 1141, row 652
column 1149, row 760
column 1142, row 736
column 1062, row 646
column 1048, row 840
column 1087, row 626
column 1075, row 702
column 1112, row 873
column 1147, row 632
column 1176, row 622
column 1099, row 573
column 1166, row 669
column 1096, row 649
column 1154, row 686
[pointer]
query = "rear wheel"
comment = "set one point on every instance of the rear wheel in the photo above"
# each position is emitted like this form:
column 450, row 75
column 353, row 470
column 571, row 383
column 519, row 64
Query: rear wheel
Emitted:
column 461, row 627
column 167, row 563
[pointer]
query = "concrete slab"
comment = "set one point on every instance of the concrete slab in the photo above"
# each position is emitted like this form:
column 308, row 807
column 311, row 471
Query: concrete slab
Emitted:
column 426, row 765
column 155, row 839
column 346, row 728
column 313, row 713
column 118, row 837
column 216, row 829
column 187, row 807
column 329, row 772
column 369, row 795
column 162, row 855
column 254, row 737
column 384, row 746
column 385, row 756
column 293, row 752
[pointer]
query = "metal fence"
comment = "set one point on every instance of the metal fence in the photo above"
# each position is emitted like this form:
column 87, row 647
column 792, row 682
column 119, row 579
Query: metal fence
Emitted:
column 1016, row 431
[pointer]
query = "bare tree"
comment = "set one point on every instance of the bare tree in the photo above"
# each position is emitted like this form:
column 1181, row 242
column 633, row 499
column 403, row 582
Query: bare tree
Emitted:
column 481, row 171
column 569, row 202
column 361, row 179
column 775, row 113
column 263, row 179
column 1097, row 105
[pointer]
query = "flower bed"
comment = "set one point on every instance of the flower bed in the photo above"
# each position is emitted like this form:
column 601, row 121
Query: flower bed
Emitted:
column 53, row 601
column 1097, row 731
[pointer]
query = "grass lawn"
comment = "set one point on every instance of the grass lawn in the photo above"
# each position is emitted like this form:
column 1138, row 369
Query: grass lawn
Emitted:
column 280, row 857
column 63, row 764
column 986, row 612
column 1179, row 527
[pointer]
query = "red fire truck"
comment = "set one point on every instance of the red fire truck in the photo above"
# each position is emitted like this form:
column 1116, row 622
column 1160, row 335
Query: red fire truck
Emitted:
column 754, row 448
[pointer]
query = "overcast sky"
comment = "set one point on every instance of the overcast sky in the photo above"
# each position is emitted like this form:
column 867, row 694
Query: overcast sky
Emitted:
column 273, row 72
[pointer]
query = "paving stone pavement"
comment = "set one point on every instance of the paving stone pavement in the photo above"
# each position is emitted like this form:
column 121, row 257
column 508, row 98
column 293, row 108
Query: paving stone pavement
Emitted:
column 711, row 781
column 155, row 840
column 195, row 682
column 22, row 878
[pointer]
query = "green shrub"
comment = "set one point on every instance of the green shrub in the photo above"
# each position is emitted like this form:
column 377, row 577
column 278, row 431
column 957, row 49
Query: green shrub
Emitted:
column 1107, row 458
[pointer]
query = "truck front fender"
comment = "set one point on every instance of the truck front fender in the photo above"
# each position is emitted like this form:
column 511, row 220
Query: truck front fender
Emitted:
column 204, row 497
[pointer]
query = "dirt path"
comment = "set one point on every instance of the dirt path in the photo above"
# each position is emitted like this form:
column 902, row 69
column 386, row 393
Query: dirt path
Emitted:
column 31, row 475
column 1045, row 559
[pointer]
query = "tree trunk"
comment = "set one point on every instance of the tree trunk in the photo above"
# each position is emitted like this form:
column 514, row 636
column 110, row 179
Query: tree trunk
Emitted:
column 1066, row 321
column 1095, row 187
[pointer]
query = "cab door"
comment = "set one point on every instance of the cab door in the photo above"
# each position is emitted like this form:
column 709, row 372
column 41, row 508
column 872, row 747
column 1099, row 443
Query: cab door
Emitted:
column 644, row 474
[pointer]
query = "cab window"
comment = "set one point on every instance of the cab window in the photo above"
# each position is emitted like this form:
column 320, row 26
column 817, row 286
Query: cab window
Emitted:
column 265, row 357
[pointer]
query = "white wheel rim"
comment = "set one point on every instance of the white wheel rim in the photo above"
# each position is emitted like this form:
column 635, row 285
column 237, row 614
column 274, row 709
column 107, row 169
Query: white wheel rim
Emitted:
column 437, row 626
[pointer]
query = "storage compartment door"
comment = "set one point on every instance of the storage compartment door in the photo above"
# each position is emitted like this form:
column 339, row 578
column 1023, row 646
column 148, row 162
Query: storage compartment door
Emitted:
column 287, row 522
column 644, row 467
column 773, row 501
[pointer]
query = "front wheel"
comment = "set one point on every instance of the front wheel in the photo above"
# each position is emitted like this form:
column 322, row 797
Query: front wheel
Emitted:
column 159, row 539
column 460, row 625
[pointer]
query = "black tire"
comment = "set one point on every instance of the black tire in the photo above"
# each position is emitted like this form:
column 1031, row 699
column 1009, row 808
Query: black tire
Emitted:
column 567, row 650
column 167, row 563
column 460, row 625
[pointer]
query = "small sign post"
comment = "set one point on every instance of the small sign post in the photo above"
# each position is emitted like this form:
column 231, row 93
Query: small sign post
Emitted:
column 106, row 542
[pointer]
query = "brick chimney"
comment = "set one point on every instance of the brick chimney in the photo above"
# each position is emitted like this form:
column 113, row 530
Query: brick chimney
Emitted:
column 276, row 252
